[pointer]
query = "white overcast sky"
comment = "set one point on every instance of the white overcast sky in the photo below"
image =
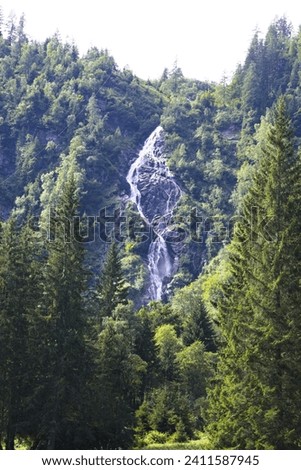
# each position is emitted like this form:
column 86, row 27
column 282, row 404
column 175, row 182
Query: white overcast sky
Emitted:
column 207, row 37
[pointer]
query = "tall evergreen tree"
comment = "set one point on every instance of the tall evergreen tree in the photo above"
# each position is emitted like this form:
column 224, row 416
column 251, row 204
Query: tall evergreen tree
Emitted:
column 65, row 365
column 255, row 402
column 196, row 323
column 119, row 384
column 18, row 296
column 113, row 288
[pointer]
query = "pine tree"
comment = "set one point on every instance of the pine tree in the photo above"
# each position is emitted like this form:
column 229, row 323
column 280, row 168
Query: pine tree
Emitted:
column 255, row 402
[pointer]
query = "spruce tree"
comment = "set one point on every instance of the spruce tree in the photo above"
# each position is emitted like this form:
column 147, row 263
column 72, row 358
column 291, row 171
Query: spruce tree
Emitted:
column 18, row 296
column 255, row 402
column 119, row 384
column 187, row 303
column 113, row 288
column 65, row 365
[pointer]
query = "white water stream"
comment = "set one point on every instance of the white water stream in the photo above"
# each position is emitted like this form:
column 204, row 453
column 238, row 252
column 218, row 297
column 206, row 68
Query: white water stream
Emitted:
column 156, row 194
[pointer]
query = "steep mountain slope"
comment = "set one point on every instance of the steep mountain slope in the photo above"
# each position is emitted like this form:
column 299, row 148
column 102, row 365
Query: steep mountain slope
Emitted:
column 53, row 101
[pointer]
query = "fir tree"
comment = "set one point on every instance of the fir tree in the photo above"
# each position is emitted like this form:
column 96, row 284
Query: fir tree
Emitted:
column 113, row 288
column 18, row 296
column 119, row 384
column 256, row 399
column 65, row 357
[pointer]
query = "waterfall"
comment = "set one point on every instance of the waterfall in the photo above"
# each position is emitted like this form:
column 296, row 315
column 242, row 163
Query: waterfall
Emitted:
column 156, row 194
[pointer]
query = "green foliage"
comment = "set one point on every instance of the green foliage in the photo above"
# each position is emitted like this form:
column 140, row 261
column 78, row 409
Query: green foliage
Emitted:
column 64, row 360
column 175, row 397
column 119, row 384
column 19, row 287
column 113, row 288
column 188, row 304
column 253, row 403
column 80, row 368
column 167, row 345
column 155, row 437
column 196, row 444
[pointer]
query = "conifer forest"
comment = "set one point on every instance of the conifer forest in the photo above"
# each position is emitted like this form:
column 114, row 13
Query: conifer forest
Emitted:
column 150, row 250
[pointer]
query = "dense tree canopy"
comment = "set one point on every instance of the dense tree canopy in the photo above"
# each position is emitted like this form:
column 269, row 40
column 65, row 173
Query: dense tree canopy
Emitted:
column 255, row 402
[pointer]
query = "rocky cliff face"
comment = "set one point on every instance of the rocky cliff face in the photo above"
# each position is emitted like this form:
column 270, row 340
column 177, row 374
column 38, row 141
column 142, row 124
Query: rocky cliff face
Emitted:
column 156, row 195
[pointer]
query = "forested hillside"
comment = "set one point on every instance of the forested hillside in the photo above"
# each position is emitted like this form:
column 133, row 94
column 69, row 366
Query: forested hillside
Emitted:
column 89, row 358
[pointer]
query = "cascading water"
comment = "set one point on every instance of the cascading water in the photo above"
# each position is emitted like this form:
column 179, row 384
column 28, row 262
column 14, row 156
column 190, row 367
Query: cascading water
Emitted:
column 156, row 194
